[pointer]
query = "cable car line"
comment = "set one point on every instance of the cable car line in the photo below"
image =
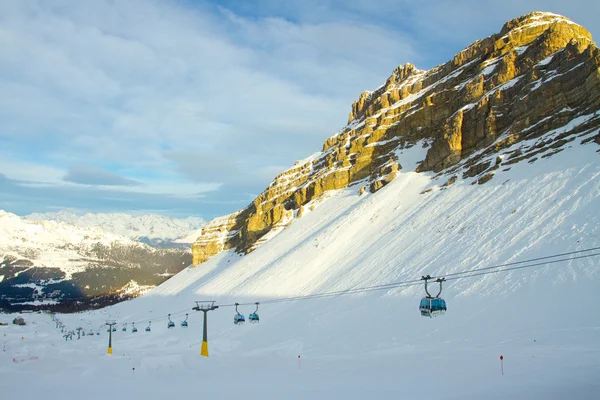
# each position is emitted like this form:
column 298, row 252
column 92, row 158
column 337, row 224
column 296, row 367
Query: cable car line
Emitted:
column 523, row 266
column 162, row 317
column 524, row 261
column 447, row 277
column 516, row 265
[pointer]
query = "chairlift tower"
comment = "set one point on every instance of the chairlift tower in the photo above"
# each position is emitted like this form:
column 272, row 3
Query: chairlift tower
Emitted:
column 110, row 324
column 205, row 307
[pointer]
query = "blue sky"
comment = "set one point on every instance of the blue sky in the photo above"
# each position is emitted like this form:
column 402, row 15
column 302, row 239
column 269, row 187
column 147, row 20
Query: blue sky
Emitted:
column 192, row 107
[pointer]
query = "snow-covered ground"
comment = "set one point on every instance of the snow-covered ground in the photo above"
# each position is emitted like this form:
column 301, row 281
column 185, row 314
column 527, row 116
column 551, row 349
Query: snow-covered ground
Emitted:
column 543, row 320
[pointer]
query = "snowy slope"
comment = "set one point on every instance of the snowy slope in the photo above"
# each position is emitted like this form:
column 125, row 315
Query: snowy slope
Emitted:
column 375, row 343
column 349, row 240
column 145, row 226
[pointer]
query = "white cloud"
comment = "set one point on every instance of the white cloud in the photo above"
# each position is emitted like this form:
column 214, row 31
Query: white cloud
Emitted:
column 126, row 85
column 31, row 172
column 35, row 175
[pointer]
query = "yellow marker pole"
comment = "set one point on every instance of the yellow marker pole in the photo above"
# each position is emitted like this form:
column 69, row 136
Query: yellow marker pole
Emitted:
column 204, row 350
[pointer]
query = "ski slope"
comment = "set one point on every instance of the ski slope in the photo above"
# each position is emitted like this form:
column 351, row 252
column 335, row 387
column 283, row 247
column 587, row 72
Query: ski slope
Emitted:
column 543, row 320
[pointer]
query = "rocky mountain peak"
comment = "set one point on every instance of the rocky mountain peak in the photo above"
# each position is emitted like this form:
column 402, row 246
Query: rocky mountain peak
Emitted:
column 536, row 19
column 393, row 90
column 520, row 94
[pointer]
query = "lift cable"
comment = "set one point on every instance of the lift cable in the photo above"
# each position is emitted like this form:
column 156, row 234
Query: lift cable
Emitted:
column 448, row 277
column 516, row 265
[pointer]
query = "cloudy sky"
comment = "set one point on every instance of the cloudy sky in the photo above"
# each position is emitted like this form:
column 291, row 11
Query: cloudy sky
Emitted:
column 187, row 107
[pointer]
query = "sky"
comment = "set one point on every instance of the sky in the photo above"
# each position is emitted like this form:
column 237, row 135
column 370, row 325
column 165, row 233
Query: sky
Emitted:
column 191, row 108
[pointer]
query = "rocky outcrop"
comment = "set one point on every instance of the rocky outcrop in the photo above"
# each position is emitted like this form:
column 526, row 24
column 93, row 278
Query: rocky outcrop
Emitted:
column 539, row 76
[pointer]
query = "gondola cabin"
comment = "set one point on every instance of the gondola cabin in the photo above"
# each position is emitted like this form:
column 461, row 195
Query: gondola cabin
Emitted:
column 432, row 307
column 238, row 318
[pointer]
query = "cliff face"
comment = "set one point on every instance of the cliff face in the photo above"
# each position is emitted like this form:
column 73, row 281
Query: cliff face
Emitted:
column 539, row 78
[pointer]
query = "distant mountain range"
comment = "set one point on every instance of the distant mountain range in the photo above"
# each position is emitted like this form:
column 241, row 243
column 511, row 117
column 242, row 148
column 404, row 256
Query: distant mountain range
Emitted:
column 62, row 260
column 155, row 230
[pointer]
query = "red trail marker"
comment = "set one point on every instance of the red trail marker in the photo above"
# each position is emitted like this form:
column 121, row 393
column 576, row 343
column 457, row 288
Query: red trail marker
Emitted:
column 502, row 364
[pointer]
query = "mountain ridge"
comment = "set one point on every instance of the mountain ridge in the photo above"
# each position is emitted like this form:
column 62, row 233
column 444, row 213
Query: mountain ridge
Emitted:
column 515, row 96
column 150, row 226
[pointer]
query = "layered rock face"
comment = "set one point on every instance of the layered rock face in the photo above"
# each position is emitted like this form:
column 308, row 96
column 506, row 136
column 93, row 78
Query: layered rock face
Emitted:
column 539, row 78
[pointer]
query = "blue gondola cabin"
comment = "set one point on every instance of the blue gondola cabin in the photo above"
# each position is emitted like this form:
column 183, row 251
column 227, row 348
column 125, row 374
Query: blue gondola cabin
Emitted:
column 432, row 307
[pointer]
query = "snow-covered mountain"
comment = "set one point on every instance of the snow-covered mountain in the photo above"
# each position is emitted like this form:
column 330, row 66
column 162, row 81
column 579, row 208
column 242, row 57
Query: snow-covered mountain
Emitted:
column 151, row 228
column 518, row 96
column 57, row 261
column 339, row 288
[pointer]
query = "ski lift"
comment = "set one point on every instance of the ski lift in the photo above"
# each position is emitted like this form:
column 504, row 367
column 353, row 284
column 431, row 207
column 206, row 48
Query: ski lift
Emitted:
column 253, row 317
column 171, row 323
column 148, row 327
column 184, row 323
column 124, row 327
column 238, row 318
column 432, row 306
column 134, row 329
